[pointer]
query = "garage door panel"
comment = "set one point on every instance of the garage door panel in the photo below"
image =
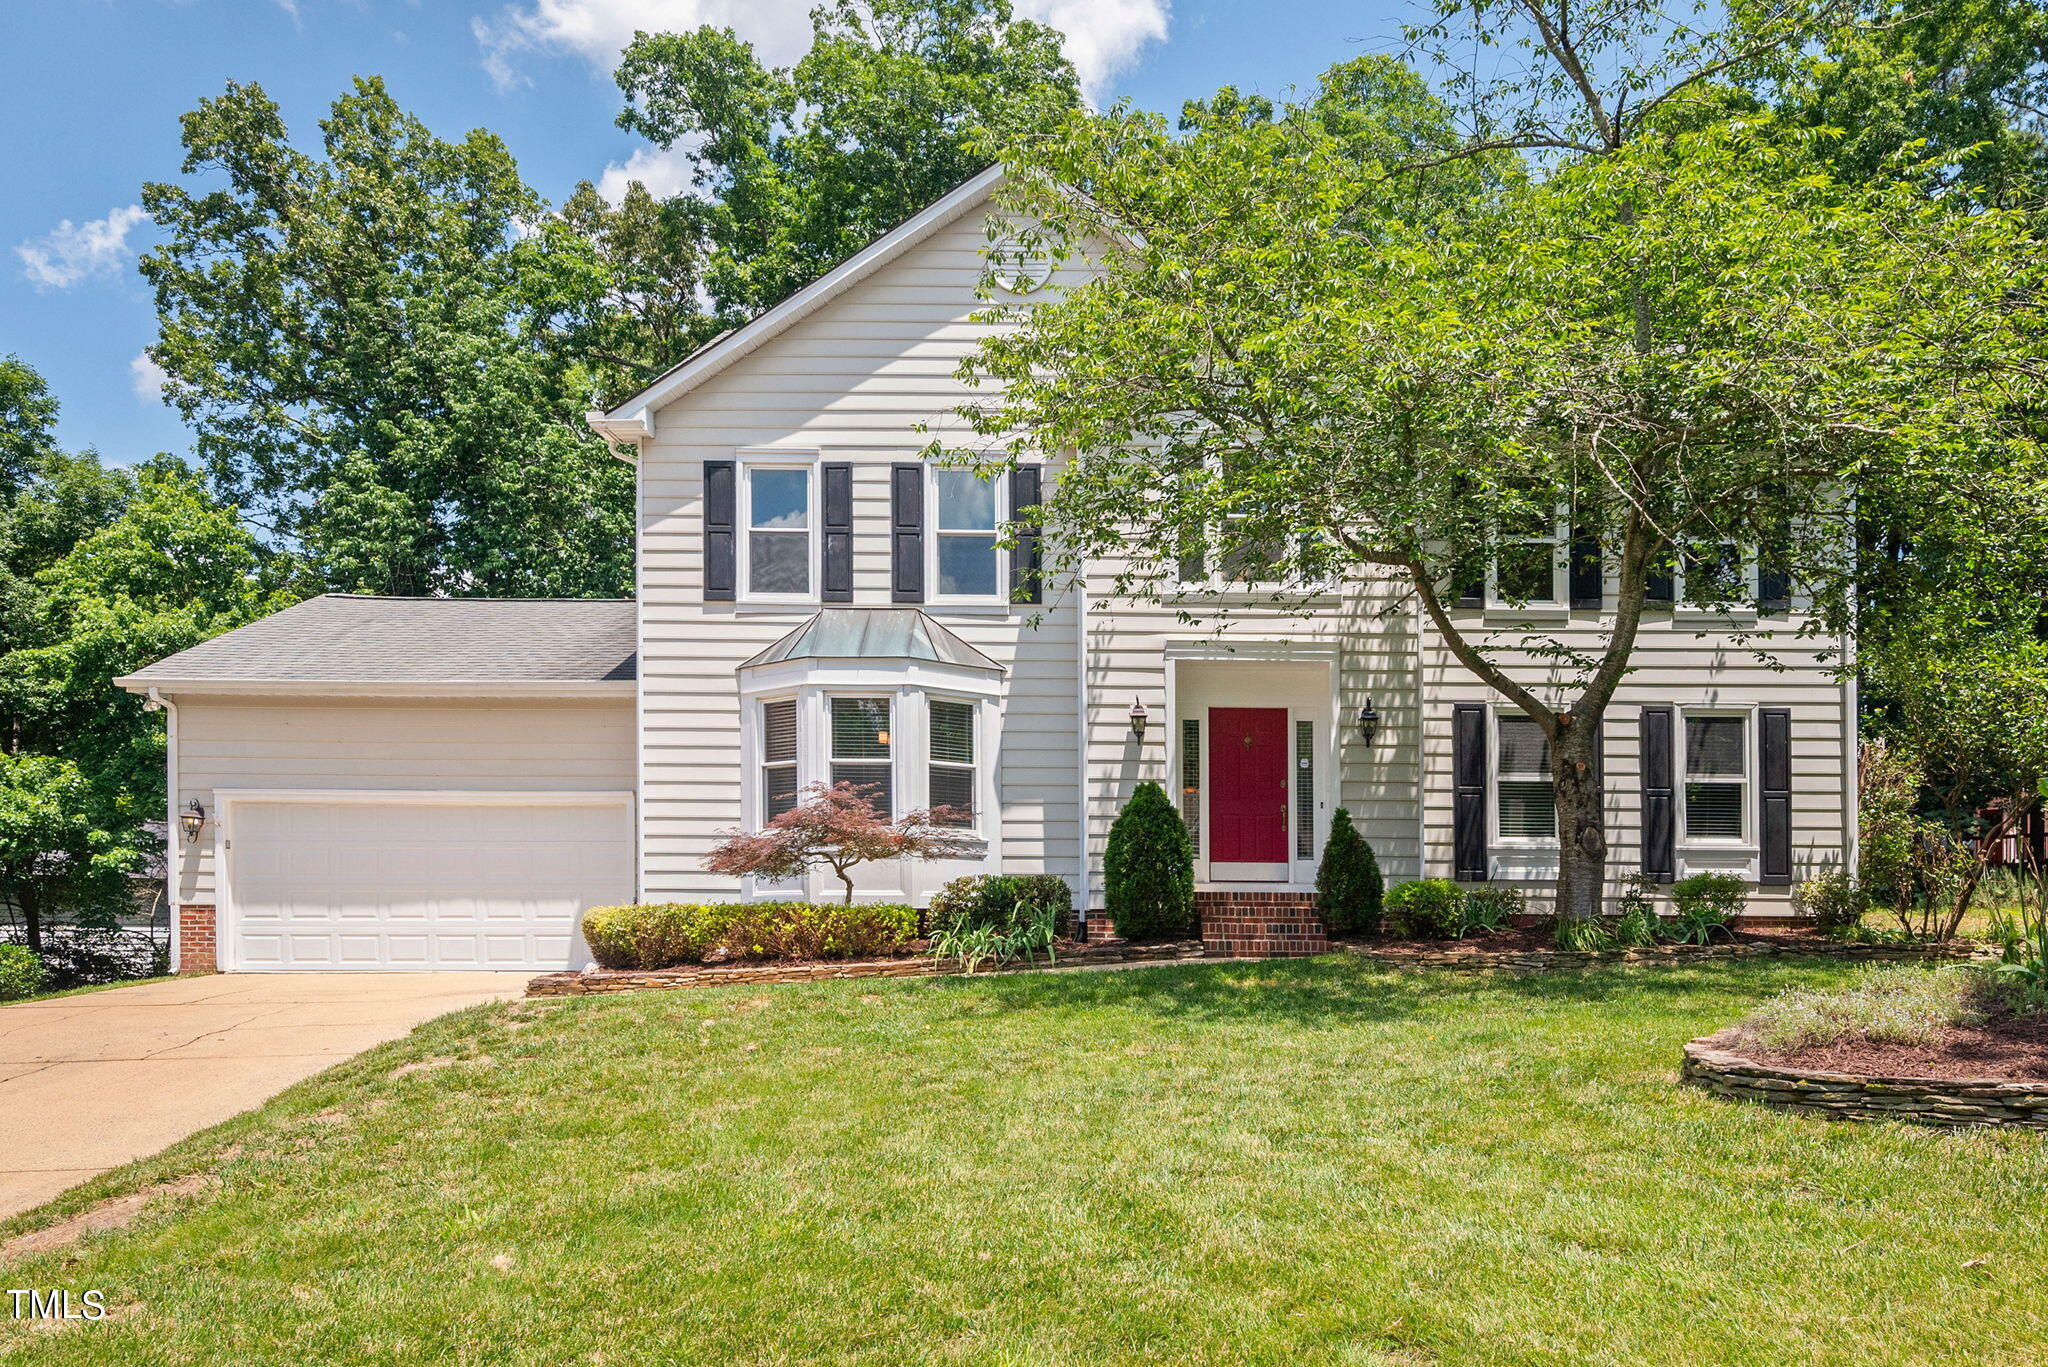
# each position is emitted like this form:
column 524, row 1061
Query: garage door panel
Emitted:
column 420, row 885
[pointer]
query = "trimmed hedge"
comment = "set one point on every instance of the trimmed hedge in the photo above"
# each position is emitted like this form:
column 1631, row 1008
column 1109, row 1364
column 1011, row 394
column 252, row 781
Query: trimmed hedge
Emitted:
column 1426, row 909
column 1148, row 869
column 992, row 901
column 1350, row 892
column 668, row 934
column 21, row 973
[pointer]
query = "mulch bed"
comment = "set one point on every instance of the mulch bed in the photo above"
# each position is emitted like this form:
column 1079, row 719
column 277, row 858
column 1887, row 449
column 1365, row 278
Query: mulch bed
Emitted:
column 2005, row 1047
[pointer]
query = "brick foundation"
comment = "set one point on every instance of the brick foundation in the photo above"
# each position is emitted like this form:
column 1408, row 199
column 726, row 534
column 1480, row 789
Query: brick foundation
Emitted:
column 1261, row 925
column 196, row 950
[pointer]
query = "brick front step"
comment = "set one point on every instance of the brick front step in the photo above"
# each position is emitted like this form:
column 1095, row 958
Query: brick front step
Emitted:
column 1246, row 925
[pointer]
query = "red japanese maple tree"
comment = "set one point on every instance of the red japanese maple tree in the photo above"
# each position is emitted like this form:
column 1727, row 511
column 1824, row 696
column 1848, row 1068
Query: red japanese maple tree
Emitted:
column 838, row 827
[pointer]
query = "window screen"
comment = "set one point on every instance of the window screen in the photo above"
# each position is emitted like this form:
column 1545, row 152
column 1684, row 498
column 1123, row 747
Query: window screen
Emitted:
column 1304, row 790
column 1527, row 802
column 952, row 760
column 1716, row 777
column 778, row 531
column 966, row 532
column 860, row 750
column 778, row 758
column 1191, row 779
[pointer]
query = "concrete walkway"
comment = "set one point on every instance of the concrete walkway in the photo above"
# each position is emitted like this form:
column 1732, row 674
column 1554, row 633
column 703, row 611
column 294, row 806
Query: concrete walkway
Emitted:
column 93, row 1081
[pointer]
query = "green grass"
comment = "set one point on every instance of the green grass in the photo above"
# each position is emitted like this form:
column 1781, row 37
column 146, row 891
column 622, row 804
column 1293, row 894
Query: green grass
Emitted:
column 1296, row 1163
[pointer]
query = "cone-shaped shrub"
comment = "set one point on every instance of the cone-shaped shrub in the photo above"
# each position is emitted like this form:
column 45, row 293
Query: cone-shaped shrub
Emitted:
column 1348, row 883
column 1148, row 869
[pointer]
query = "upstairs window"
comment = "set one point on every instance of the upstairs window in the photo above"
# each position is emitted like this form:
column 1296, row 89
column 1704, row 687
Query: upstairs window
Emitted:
column 1529, row 563
column 1716, row 777
column 1711, row 572
column 778, row 758
column 952, row 760
column 861, row 753
column 778, row 531
column 1525, row 799
column 964, row 536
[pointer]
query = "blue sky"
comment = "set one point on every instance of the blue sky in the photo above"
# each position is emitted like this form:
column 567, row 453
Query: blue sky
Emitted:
column 91, row 91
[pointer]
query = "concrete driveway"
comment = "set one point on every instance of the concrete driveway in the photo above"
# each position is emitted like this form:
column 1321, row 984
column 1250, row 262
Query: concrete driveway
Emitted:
column 93, row 1081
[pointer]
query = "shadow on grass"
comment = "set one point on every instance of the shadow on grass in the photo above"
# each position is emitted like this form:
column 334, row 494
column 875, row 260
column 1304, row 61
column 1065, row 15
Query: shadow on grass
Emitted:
column 1337, row 990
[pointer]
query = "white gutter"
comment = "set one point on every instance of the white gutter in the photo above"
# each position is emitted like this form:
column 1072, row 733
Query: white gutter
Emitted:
column 173, row 876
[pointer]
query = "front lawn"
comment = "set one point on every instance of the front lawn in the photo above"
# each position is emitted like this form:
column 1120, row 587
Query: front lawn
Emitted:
column 1319, row 1162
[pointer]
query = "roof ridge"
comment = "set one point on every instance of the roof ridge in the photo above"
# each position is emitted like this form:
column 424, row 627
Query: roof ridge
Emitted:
column 443, row 598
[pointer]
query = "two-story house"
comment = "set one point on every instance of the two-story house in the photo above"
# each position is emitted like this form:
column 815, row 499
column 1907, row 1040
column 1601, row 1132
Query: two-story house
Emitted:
column 405, row 783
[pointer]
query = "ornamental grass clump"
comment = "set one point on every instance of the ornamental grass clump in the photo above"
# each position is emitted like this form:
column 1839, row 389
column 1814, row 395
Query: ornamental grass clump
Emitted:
column 1884, row 1004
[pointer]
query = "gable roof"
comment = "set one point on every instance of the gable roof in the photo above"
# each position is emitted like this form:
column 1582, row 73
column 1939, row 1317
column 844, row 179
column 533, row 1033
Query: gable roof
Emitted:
column 414, row 645
column 873, row 634
column 634, row 417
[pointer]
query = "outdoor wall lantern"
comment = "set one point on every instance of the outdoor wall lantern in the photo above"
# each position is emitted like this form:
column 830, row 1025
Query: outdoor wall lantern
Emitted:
column 1138, row 720
column 1368, row 723
column 192, row 820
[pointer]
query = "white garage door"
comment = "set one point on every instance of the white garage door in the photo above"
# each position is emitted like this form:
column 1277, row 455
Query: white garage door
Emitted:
column 420, row 885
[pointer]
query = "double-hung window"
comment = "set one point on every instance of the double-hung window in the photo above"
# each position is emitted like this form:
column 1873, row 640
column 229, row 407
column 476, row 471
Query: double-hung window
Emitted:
column 1716, row 777
column 966, row 561
column 951, row 773
column 1525, row 798
column 861, row 751
column 778, row 758
column 1529, row 562
column 779, row 528
column 1714, row 572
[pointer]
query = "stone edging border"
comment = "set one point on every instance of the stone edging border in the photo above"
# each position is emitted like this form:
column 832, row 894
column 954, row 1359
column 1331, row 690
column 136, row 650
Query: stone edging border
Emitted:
column 1550, row 960
column 571, row 984
column 1952, row 1103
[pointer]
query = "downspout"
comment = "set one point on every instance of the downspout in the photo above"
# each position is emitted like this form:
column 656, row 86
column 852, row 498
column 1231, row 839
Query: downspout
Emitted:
column 173, row 875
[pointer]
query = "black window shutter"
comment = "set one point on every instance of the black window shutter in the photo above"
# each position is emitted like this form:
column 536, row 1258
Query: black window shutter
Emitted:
column 1774, row 796
column 721, row 561
column 837, row 585
column 1026, row 565
column 1659, row 862
column 906, row 534
column 1589, row 589
column 1468, row 792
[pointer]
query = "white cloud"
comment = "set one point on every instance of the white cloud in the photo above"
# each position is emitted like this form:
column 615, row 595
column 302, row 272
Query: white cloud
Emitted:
column 147, row 378
column 72, row 252
column 663, row 173
column 598, row 30
column 1103, row 36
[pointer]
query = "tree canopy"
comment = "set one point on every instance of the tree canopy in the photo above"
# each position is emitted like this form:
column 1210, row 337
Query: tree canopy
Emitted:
column 1683, row 338
column 364, row 343
column 799, row 168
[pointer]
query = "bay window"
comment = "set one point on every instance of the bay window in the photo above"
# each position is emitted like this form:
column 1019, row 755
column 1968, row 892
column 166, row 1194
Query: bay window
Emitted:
column 950, row 777
column 778, row 758
column 860, row 743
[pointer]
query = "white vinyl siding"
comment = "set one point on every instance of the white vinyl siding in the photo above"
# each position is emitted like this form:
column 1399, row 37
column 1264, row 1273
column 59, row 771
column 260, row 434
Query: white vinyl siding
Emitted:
column 854, row 381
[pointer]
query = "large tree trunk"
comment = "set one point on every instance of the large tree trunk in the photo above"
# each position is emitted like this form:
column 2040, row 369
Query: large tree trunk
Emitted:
column 1581, row 826
column 31, row 921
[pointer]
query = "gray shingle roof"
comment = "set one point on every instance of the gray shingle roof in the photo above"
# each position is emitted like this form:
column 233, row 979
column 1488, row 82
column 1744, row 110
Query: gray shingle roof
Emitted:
column 873, row 634
column 344, row 638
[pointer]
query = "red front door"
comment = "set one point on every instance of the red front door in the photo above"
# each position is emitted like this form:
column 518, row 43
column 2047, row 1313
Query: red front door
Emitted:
column 1247, row 785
